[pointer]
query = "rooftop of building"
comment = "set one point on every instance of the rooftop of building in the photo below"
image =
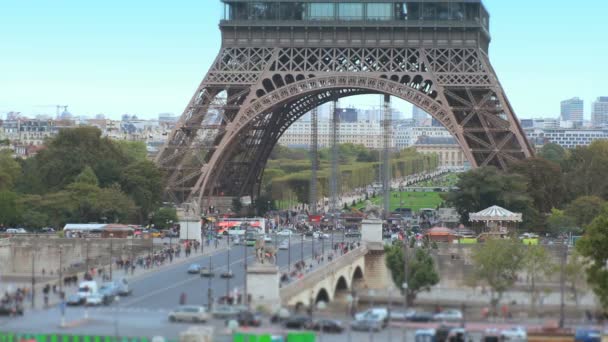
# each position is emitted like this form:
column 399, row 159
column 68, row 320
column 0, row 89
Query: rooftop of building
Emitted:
column 425, row 140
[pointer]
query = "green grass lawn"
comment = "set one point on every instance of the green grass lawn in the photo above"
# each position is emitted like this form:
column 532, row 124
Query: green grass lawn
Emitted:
column 412, row 200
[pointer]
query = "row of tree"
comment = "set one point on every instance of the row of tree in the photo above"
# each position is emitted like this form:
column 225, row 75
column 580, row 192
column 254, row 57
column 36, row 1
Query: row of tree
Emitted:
column 80, row 177
column 288, row 172
column 558, row 191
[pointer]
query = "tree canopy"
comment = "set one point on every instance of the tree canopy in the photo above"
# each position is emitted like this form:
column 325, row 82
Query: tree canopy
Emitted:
column 421, row 271
column 594, row 246
column 79, row 177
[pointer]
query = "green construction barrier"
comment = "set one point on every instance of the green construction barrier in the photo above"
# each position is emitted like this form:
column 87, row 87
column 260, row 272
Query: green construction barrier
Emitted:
column 301, row 337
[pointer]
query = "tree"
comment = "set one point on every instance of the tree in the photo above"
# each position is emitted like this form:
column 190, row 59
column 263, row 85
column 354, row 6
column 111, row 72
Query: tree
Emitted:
column 544, row 182
column 142, row 180
column 560, row 223
column 487, row 186
column 163, row 217
column 87, row 176
column 584, row 209
column 594, row 246
column 553, row 152
column 134, row 150
column 496, row 264
column 10, row 212
column 585, row 170
column 538, row 267
column 421, row 272
column 574, row 272
column 9, row 170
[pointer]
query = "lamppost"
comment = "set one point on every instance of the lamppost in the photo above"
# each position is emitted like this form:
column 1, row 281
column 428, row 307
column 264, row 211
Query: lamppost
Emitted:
column 288, row 253
column 170, row 224
column 228, row 275
column 371, row 294
column 302, row 248
column 60, row 269
column 246, row 292
column 111, row 254
column 209, row 289
column 33, row 275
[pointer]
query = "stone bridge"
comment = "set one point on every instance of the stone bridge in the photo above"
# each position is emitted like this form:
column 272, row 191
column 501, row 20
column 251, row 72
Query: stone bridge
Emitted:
column 363, row 267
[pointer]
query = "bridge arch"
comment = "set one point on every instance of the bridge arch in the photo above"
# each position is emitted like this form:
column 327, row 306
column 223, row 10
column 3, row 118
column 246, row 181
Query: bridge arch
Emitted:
column 322, row 296
column 318, row 90
column 357, row 277
column 341, row 288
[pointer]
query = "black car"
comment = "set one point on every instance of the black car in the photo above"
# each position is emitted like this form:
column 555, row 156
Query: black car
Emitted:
column 422, row 317
column 328, row 325
column 298, row 322
column 249, row 319
column 11, row 310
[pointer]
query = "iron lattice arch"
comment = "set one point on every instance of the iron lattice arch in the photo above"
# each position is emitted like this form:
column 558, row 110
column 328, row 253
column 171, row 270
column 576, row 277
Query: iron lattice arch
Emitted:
column 251, row 95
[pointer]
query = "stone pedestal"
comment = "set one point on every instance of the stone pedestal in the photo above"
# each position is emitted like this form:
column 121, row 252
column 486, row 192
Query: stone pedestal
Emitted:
column 371, row 230
column 263, row 287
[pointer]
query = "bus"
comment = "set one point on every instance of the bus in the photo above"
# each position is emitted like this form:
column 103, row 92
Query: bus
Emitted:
column 238, row 226
column 252, row 235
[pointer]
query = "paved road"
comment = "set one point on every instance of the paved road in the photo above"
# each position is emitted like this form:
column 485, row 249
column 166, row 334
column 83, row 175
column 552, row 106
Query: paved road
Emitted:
column 161, row 290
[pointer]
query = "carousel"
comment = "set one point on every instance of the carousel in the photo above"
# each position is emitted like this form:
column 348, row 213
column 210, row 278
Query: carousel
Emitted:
column 495, row 221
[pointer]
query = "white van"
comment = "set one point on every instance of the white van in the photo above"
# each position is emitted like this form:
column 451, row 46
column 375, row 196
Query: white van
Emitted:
column 380, row 314
column 87, row 288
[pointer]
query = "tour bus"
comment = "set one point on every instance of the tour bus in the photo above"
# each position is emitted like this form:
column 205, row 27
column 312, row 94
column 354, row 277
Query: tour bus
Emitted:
column 238, row 226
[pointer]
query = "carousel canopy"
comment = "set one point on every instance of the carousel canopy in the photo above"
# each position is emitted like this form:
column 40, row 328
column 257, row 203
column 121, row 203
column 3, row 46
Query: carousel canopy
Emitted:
column 495, row 213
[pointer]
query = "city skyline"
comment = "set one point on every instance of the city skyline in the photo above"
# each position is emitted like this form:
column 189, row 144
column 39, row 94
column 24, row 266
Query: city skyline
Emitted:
column 145, row 60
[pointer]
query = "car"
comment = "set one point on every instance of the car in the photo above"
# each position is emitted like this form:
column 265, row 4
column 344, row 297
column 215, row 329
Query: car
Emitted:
column 267, row 238
column 285, row 232
column 448, row 315
column 401, row 316
column 155, row 233
column 320, row 235
column 47, row 230
column 352, row 234
column 137, row 233
column 16, row 231
column 95, row 299
column 284, row 245
column 194, row 269
column 122, row 287
column 225, row 311
column 374, row 313
column 423, row 317
column 298, row 322
column 11, row 310
column 328, row 325
column 189, row 313
column 514, row 334
column 366, row 325
column 75, row 300
column 108, row 292
column 249, row 319
column 206, row 272
column 227, row 274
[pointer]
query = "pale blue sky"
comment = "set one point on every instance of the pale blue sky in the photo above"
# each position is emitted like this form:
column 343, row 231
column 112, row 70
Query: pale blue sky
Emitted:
column 148, row 57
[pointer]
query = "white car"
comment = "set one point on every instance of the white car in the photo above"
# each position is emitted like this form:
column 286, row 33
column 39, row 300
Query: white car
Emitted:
column 267, row 238
column 284, row 245
column 95, row 299
column 189, row 313
column 514, row 334
column 448, row 315
column 285, row 232
column 319, row 235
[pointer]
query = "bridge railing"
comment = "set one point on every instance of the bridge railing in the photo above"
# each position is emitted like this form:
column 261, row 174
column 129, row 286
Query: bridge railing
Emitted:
column 296, row 287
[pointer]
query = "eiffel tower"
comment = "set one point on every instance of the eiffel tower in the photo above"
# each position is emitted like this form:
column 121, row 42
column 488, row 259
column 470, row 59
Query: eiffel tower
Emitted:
column 279, row 59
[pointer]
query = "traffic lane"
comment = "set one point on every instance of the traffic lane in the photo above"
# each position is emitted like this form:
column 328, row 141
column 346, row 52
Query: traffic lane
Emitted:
column 162, row 290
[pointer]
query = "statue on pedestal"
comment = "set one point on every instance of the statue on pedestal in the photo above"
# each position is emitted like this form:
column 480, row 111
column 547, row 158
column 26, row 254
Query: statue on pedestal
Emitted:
column 372, row 211
column 264, row 254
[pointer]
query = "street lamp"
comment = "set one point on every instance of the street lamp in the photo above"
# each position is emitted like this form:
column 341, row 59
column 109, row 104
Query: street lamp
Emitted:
column 209, row 289
column 371, row 294
column 111, row 254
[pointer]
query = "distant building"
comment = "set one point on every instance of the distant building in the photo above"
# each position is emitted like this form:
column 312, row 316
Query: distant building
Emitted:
column 167, row 117
column 419, row 116
column 407, row 135
column 446, row 148
column 366, row 133
column 347, row 114
column 572, row 110
column 567, row 138
column 599, row 112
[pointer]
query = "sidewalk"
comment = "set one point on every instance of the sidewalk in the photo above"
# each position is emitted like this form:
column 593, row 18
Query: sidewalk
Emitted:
column 116, row 273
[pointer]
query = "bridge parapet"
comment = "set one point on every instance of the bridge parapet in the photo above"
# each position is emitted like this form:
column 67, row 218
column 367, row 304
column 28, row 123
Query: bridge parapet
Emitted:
column 321, row 274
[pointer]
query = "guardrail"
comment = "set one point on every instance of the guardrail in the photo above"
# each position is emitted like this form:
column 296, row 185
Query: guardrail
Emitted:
column 319, row 274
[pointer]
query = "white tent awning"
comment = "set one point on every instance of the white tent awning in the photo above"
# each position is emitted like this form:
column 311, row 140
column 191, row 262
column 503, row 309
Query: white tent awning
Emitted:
column 495, row 213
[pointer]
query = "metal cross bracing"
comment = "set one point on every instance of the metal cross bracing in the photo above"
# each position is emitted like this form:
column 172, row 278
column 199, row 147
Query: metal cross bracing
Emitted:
column 334, row 181
column 314, row 160
column 387, row 136
column 251, row 95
